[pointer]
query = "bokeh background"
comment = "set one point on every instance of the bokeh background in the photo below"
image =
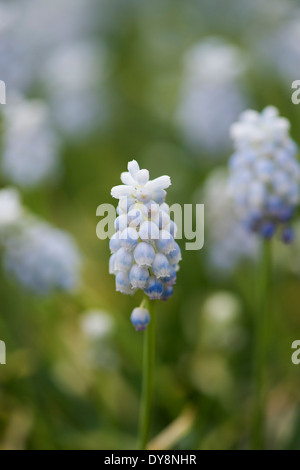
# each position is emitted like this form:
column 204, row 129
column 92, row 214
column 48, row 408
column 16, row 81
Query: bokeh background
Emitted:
column 92, row 84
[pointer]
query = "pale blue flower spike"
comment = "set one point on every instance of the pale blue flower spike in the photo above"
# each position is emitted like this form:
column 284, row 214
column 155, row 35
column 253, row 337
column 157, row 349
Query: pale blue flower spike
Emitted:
column 129, row 238
column 144, row 253
column 115, row 242
column 42, row 259
column 175, row 255
column 122, row 284
column 138, row 276
column 264, row 173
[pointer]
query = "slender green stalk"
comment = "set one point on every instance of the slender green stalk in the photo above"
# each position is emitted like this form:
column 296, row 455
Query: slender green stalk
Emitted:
column 147, row 384
column 262, row 313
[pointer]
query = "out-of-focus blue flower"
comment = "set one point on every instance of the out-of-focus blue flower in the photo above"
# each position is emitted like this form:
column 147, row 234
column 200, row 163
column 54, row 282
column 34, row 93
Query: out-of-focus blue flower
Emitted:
column 264, row 172
column 140, row 318
column 144, row 253
column 42, row 258
column 77, row 100
column 30, row 145
column 211, row 97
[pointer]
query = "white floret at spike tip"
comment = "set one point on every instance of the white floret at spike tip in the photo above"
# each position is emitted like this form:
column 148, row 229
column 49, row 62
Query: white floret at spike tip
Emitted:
column 264, row 173
column 144, row 255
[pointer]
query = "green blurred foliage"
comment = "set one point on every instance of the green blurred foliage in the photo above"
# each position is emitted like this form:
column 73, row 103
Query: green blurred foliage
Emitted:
column 61, row 390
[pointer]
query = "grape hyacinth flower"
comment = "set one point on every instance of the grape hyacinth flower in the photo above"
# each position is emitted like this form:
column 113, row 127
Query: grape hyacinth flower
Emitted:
column 264, row 185
column 30, row 144
column 140, row 318
column 145, row 255
column 74, row 100
column 265, row 173
column 42, row 258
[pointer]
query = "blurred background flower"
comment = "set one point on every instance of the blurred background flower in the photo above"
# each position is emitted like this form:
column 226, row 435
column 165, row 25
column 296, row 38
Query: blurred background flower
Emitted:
column 42, row 258
column 212, row 96
column 264, row 173
column 92, row 84
column 30, row 145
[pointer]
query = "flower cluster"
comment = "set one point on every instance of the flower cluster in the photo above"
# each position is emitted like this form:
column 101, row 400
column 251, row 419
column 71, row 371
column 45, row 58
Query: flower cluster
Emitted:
column 30, row 145
column 144, row 253
column 265, row 174
column 211, row 97
column 41, row 258
column 25, row 37
column 79, row 101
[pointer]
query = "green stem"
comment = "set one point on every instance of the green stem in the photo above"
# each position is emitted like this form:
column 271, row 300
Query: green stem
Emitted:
column 147, row 384
column 261, row 346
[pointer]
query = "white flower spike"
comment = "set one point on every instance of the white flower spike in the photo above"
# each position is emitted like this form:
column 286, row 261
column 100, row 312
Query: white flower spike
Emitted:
column 144, row 253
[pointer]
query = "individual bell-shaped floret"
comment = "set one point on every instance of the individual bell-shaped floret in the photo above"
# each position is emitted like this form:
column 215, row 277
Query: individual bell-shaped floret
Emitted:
column 264, row 172
column 129, row 238
column 122, row 283
column 140, row 318
column 123, row 260
column 154, row 288
column 161, row 267
column 115, row 242
column 138, row 276
column 144, row 254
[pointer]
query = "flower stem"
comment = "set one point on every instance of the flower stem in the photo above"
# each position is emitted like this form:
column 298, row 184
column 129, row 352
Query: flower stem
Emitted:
column 147, row 384
column 261, row 346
